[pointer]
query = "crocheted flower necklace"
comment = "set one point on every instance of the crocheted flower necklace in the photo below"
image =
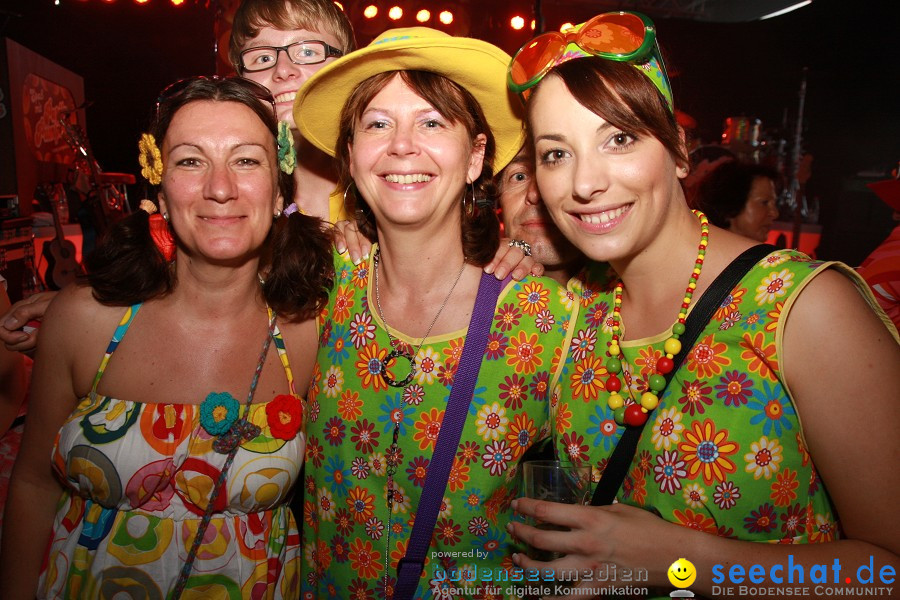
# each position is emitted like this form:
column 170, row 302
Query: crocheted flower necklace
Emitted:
column 636, row 413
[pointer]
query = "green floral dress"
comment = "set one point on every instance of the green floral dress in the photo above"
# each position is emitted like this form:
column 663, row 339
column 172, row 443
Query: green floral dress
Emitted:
column 724, row 452
column 352, row 412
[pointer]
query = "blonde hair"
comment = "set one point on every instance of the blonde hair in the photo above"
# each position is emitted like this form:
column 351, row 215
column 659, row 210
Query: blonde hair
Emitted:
column 287, row 15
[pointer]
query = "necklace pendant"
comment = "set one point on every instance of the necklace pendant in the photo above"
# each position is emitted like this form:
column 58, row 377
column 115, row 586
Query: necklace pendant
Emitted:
column 392, row 356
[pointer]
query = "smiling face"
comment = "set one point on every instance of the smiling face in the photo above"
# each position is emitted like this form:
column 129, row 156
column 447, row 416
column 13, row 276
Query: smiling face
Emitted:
column 410, row 163
column 285, row 78
column 755, row 220
column 525, row 217
column 220, row 181
column 608, row 190
column 682, row 573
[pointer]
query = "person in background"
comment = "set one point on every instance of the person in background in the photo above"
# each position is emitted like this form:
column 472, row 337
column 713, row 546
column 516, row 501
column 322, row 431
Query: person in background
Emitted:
column 280, row 44
column 419, row 120
column 168, row 468
column 881, row 269
column 741, row 198
column 724, row 460
column 525, row 217
column 14, row 368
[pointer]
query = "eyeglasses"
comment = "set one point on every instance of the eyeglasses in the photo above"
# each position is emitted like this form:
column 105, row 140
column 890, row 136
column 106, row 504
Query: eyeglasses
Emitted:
column 620, row 36
column 173, row 90
column 308, row 52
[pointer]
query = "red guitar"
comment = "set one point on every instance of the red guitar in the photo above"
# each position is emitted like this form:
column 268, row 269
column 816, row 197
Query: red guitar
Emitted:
column 62, row 266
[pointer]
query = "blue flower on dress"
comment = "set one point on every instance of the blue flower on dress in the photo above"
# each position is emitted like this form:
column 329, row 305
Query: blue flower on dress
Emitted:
column 773, row 406
column 218, row 412
column 604, row 428
column 478, row 399
column 392, row 412
column 337, row 345
column 492, row 542
column 336, row 475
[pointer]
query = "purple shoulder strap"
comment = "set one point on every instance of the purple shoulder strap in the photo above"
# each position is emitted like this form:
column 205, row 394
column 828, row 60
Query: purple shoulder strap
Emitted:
column 409, row 570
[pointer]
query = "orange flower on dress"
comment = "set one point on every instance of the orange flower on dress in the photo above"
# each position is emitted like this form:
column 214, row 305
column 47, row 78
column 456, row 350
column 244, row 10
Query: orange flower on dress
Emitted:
column 563, row 418
column 783, row 488
column 707, row 357
column 524, row 352
column 285, row 416
column 350, row 406
column 533, row 298
column 361, row 504
column 730, row 304
column 428, row 427
column 459, row 475
column 774, row 316
column 368, row 367
column 587, row 378
column 697, row 521
column 364, row 559
column 761, row 357
column 706, row 451
column 342, row 304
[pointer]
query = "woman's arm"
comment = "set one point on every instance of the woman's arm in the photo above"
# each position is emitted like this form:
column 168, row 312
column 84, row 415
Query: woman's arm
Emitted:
column 12, row 376
column 843, row 368
column 34, row 490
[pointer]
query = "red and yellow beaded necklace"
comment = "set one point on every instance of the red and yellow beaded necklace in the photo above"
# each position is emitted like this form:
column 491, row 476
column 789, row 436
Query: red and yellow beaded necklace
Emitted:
column 636, row 413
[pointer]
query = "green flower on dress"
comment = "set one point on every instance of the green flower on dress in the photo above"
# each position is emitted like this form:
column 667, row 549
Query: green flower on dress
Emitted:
column 218, row 412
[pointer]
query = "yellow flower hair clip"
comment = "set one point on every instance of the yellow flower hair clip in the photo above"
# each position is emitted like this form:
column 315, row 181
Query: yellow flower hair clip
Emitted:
column 150, row 159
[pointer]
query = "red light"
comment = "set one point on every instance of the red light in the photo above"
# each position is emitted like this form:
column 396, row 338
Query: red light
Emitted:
column 370, row 12
column 141, row 1
column 517, row 22
column 565, row 27
column 395, row 13
column 533, row 24
column 423, row 15
column 177, row 2
column 446, row 17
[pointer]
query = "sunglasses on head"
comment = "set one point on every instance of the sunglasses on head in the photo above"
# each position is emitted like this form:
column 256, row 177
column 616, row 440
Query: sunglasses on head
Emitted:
column 620, row 36
column 173, row 90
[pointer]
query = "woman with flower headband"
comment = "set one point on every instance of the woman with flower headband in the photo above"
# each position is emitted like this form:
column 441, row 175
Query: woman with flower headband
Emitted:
column 419, row 120
column 723, row 460
column 172, row 463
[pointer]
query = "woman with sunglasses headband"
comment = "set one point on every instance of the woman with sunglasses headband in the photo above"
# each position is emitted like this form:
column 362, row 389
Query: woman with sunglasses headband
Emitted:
column 173, row 461
column 779, row 426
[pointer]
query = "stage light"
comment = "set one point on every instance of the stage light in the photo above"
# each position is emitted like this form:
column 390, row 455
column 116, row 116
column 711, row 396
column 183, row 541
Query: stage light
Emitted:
column 446, row 17
column 340, row 6
column 423, row 15
column 533, row 24
column 370, row 12
column 565, row 27
column 395, row 13
column 177, row 2
column 141, row 1
column 517, row 22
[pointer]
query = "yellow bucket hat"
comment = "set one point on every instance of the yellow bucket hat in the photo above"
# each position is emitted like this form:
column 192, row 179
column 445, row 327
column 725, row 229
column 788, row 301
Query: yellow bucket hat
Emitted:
column 476, row 65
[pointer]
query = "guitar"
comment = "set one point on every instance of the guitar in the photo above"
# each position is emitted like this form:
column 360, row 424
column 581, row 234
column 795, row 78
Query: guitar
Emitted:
column 62, row 266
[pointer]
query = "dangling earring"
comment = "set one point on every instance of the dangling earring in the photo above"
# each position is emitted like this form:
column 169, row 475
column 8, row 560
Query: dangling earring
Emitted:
column 469, row 207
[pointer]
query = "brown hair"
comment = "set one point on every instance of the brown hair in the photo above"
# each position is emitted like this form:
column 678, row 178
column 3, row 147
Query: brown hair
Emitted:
column 287, row 15
column 127, row 267
column 624, row 97
column 481, row 230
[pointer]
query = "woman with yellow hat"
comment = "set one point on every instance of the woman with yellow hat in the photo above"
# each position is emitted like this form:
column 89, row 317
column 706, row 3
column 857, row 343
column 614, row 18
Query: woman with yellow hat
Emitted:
column 419, row 121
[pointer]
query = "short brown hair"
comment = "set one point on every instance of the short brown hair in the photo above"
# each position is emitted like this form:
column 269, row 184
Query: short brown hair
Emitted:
column 480, row 231
column 624, row 97
column 314, row 15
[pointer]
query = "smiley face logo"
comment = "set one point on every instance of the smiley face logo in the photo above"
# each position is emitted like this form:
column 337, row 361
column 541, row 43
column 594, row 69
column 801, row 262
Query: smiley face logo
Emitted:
column 682, row 573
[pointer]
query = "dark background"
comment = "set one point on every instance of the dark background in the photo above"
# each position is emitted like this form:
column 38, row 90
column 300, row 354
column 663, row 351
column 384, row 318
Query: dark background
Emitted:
column 128, row 52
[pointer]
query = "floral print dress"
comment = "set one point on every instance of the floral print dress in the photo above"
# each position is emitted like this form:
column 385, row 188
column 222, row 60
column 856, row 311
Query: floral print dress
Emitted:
column 351, row 419
column 138, row 478
column 724, row 451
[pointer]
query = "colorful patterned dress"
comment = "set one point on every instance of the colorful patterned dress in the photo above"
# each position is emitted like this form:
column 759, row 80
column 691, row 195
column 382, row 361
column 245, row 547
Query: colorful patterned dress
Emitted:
column 724, row 452
column 351, row 418
column 137, row 480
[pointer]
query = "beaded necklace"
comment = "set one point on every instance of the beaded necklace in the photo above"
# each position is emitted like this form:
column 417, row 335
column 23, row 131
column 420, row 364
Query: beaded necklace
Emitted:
column 636, row 413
